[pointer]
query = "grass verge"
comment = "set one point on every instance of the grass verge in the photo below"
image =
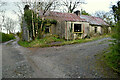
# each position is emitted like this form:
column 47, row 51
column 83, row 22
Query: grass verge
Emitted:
column 112, row 60
column 46, row 42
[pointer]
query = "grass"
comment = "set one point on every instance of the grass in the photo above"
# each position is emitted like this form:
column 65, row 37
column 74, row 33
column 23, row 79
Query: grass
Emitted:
column 40, row 42
column 6, row 37
column 102, row 64
column 45, row 42
column 112, row 59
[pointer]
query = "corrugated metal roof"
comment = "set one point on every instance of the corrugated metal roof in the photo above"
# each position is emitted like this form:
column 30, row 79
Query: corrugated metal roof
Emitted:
column 73, row 17
column 66, row 16
column 93, row 20
column 63, row 16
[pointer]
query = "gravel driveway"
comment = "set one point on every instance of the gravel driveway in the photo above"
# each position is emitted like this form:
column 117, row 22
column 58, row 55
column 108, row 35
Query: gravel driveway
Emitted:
column 69, row 61
column 14, row 62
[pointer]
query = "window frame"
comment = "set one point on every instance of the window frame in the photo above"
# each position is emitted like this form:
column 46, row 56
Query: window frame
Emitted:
column 74, row 28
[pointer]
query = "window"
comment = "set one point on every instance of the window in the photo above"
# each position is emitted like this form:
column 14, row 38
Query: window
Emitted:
column 47, row 30
column 77, row 28
column 95, row 29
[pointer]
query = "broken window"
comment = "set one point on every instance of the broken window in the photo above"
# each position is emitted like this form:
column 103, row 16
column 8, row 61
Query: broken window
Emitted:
column 47, row 30
column 77, row 28
column 95, row 29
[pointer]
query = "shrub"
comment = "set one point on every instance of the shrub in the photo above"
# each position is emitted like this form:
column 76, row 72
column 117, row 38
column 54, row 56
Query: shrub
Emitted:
column 6, row 37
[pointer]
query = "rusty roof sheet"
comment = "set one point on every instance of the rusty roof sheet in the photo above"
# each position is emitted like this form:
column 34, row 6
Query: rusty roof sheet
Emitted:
column 67, row 16
column 63, row 16
column 94, row 20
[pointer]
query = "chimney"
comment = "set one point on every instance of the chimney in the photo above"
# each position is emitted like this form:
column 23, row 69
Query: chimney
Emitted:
column 77, row 13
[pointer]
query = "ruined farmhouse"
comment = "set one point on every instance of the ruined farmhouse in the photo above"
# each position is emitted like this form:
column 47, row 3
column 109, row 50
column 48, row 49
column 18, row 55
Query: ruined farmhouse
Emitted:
column 73, row 25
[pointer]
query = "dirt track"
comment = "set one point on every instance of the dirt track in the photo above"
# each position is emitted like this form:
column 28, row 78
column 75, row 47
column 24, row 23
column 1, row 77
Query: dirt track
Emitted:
column 77, row 60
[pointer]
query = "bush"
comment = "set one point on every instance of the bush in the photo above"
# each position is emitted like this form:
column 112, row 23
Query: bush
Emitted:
column 6, row 37
column 113, row 58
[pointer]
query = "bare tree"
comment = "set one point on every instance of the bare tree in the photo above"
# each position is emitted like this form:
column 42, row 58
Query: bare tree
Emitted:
column 106, row 16
column 2, row 14
column 9, row 25
column 43, row 6
column 35, row 6
column 100, row 14
column 48, row 5
column 2, row 3
column 71, row 5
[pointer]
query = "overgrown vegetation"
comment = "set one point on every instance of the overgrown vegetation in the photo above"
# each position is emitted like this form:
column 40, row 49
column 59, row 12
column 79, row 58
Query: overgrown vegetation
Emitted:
column 35, row 24
column 49, row 41
column 6, row 37
column 113, row 57
column 44, row 42
column 83, row 12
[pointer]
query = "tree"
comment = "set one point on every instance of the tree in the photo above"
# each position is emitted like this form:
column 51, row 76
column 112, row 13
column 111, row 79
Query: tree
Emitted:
column 106, row 16
column 116, row 11
column 32, row 18
column 2, row 17
column 9, row 25
column 2, row 3
column 71, row 5
column 114, row 57
column 2, row 14
column 83, row 12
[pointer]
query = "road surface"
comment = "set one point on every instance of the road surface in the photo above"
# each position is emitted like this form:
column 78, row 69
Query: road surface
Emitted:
column 69, row 61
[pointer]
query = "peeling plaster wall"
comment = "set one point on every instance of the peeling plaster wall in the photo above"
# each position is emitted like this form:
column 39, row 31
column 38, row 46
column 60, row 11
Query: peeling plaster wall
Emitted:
column 59, row 29
column 53, row 29
column 70, row 34
column 99, row 29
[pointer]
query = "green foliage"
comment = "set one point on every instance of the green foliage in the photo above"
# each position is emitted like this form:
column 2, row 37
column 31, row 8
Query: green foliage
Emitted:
column 6, row 37
column 39, row 24
column 46, row 41
column 49, row 22
column 28, row 18
column 113, row 58
column 52, row 21
column 83, row 12
column 116, row 11
column 40, row 42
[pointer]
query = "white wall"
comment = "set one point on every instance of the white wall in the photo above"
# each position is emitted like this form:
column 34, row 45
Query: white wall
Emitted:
column 92, row 29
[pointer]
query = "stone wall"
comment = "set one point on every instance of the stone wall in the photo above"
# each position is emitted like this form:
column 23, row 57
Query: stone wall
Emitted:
column 25, row 31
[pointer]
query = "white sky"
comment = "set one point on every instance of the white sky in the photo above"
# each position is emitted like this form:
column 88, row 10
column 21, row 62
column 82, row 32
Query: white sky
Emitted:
column 98, row 5
column 91, row 7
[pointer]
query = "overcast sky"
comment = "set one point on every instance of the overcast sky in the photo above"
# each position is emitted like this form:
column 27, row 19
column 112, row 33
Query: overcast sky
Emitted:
column 91, row 6
column 98, row 5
